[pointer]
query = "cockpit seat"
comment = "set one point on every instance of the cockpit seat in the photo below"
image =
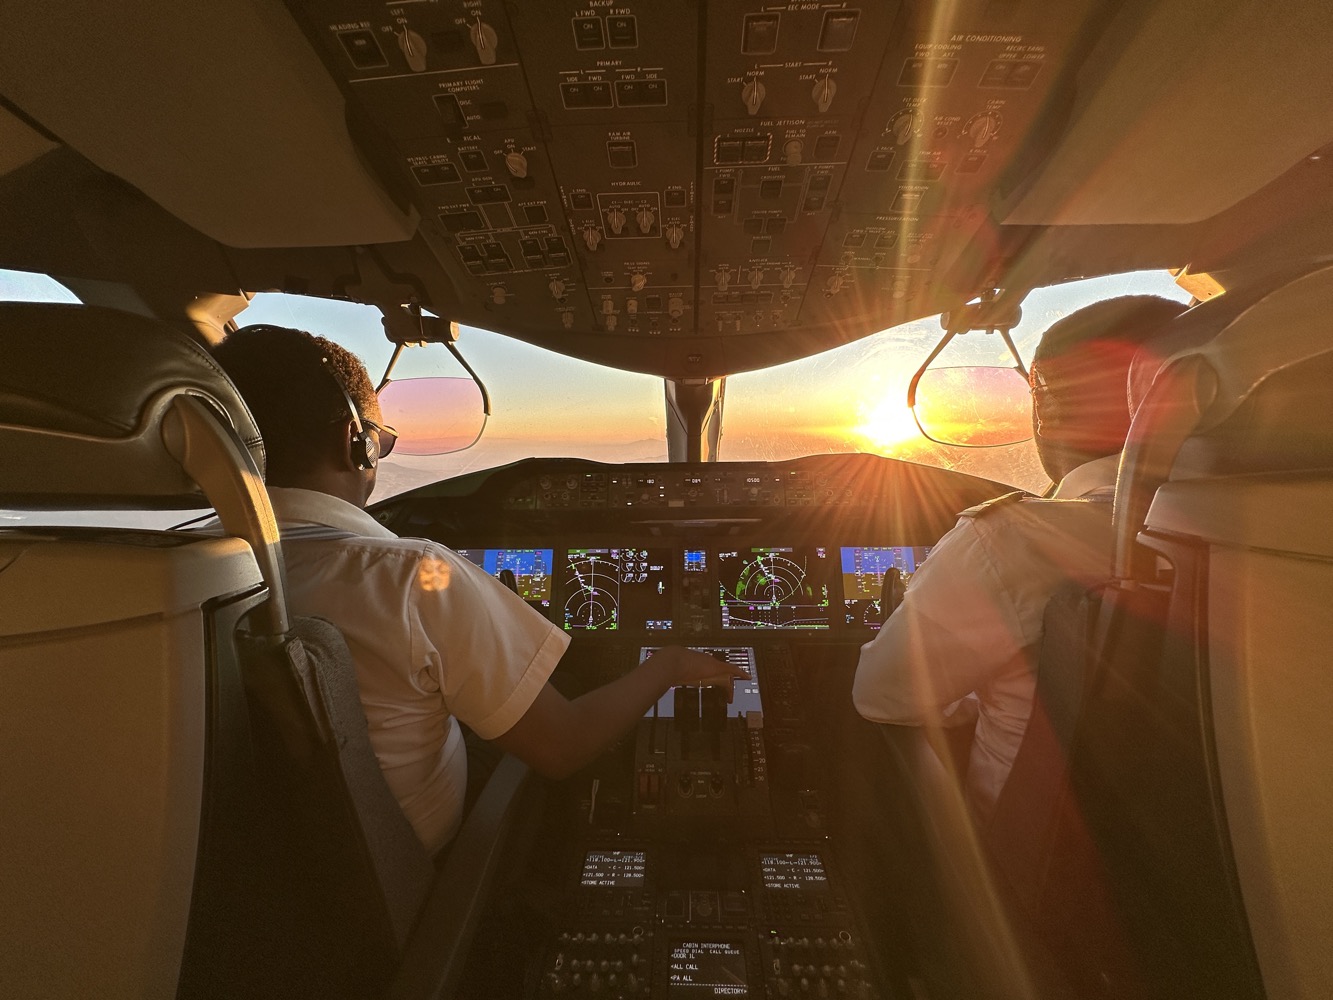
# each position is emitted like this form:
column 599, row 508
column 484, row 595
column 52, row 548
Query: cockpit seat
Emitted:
column 1235, row 462
column 1161, row 825
column 191, row 807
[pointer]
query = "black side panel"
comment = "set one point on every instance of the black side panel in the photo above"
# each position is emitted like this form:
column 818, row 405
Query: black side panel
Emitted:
column 1144, row 776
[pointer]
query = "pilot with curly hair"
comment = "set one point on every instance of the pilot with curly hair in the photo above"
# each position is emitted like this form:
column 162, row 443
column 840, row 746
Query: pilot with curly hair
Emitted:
column 436, row 640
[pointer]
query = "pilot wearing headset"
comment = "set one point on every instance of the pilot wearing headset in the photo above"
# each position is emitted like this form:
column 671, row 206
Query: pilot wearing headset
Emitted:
column 435, row 639
column 964, row 641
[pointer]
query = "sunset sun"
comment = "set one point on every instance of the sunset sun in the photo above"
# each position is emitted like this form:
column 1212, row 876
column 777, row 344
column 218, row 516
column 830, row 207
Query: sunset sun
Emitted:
column 888, row 425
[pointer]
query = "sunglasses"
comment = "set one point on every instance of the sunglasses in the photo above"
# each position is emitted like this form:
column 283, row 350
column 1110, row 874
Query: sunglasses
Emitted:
column 388, row 437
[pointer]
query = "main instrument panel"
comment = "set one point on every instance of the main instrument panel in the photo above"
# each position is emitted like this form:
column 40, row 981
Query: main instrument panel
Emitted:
column 701, row 856
column 662, row 588
column 683, row 177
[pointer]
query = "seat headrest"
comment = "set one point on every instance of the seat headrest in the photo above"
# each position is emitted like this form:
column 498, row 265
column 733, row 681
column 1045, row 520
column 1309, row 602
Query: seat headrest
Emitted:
column 1270, row 350
column 83, row 392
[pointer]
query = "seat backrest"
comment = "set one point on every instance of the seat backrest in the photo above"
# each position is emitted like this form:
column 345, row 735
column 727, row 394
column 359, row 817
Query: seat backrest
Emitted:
column 1197, row 799
column 106, row 664
column 172, row 754
column 1246, row 505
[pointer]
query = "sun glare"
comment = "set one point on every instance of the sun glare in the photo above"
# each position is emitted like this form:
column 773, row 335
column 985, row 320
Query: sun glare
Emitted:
column 889, row 425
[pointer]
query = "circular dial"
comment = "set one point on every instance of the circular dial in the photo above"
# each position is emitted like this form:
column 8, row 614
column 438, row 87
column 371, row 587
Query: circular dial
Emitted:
column 770, row 579
column 593, row 585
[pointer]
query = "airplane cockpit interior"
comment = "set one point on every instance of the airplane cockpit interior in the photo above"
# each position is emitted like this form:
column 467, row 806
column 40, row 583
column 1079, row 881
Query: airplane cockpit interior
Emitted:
column 692, row 192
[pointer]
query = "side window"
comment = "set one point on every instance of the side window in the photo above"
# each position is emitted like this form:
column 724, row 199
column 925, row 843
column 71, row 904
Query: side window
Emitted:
column 28, row 286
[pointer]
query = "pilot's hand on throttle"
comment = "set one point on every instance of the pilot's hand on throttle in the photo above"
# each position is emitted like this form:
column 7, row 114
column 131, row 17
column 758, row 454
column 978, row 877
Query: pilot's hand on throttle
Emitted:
column 689, row 667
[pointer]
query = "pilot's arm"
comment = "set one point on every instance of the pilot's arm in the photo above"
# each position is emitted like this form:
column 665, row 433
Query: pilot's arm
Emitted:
column 956, row 629
column 491, row 655
column 556, row 736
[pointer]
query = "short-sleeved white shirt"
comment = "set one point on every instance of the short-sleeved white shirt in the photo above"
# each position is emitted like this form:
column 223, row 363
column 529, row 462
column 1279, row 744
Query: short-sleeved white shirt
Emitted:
column 970, row 623
column 435, row 640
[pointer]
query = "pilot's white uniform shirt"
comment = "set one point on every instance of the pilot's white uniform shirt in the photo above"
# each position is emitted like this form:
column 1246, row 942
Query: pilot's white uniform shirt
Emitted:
column 970, row 623
column 435, row 640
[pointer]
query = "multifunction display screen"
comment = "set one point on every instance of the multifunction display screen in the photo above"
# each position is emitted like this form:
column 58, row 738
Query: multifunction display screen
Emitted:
column 793, row 871
column 531, row 569
column 618, row 588
column 697, row 969
column 744, row 693
column 863, row 571
column 614, row 869
column 783, row 588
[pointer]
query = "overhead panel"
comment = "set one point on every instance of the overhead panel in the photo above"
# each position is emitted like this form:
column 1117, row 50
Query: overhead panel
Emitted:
column 786, row 86
column 723, row 180
column 617, row 90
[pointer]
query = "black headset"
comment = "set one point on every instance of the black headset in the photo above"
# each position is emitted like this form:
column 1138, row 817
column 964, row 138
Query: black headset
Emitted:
column 365, row 450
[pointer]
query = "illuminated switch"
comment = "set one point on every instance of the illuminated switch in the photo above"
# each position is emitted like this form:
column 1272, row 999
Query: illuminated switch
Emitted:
column 996, row 74
column 622, row 154
column 362, row 49
column 838, row 30
column 622, row 31
column 921, row 171
column 435, row 173
column 461, row 222
column 487, row 194
column 880, row 159
column 1023, row 73
column 826, row 147
column 641, row 93
column 907, row 201
column 727, row 151
column 759, row 35
column 971, row 163
column 451, row 111
column 580, row 94
column 588, row 33
column 755, row 150
column 923, row 72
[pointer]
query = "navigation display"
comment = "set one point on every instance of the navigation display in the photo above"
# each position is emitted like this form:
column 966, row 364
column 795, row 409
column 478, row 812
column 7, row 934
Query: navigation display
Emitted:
column 863, row 569
column 698, row 969
column 784, row 588
column 531, row 569
column 792, row 871
column 614, row 869
column 744, row 694
column 619, row 588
